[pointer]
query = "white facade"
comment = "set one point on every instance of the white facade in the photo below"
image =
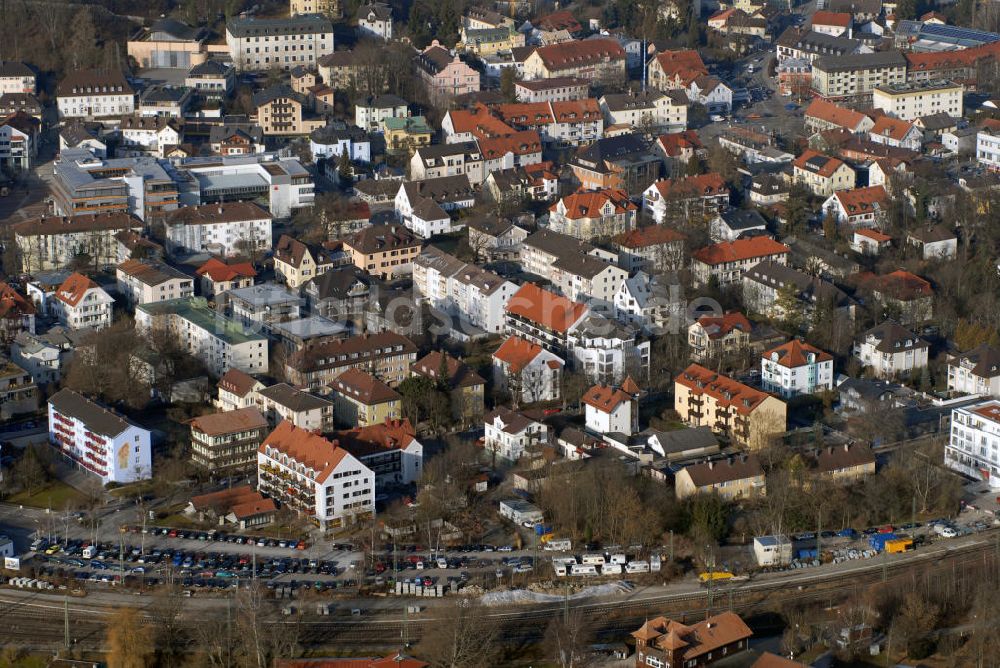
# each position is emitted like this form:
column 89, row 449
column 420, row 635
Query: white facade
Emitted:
column 988, row 149
column 143, row 283
column 225, row 236
column 974, row 443
column 976, row 372
column 815, row 375
column 16, row 150
column 772, row 550
column 96, row 104
column 615, row 421
column 100, row 441
column 890, row 360
column 477, row 295
column 219, row 342
column 288, row 184
column 530, row 370
column 263, row 44
column 508, row 433
column 910, row 103
column 93, row 309
column 370, row 117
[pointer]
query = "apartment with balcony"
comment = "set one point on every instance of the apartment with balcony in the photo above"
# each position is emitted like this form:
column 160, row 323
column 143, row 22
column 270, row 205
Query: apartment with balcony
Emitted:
column 975, row 372
column 973, row 447
column 796, row 368
column 385, row 355
column 890, row 350
column 282, row 402
column 145, row 282
column 230, row 229
column 310, row 475
column 749, row 417
column 226, row 443
column 97, row 439
column 390, row 449
column 18, row 391
column 51, row 242
column 80, row 303
column 732, row 479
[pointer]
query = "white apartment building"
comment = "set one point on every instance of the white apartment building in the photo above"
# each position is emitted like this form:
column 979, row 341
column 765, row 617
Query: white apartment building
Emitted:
column 975, row 372
column 974, row 443
column 891, row 350
column 52, row 242
column 472, row 293
column 148, row 134
column 727, row 261
column 283, row 182
column 230, row 229
column 988, row 149
column 98, row 439
column 796, row 368
column 528, row 371
column 16, row 150
column 81, row 303
column 283, row 402
column 610, row 410
column 237, row 390
column 556, row 89
column 666, row 111
column 285, row 43
column 309, row 474
column 145, row 282
column 219, row 342
column 370, row 113
column 606, row 351
column 95, row 94
column 437, row 160
column 16, row 77
column 509, row 433
column 909, row 102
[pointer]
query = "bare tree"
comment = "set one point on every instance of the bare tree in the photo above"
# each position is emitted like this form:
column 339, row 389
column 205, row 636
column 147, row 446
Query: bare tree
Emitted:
column 567, row 639
column 462, row 637
column 129, row 640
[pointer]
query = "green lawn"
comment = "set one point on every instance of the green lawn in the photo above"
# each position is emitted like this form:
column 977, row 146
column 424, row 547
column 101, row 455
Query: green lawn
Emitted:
column 56, row 495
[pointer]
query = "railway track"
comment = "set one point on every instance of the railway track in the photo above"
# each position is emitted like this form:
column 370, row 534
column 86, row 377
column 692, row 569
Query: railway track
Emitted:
column 36, row 621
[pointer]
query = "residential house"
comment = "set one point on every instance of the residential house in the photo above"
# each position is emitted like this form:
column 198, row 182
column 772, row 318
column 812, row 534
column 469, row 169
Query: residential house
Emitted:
column 383, row 250
column 237, row 389
column 52, row 242
column 590, row 214
column 909, row 297
column 219, row 342
column 282, row 112
column 81, row 303
column 538, row 183
column 896, row 133
column 686, row 198
column 733, row 479
column 17, row 313
column 18, row 142
column 796, row 368
column 611, row 410
column 564, row 123
column 767, row 190
column 836, row 24
column 236, row 139
column 145, row 282
column 18, row 390
column 653, row 249
column 498, row 238
column 712, row 93
column 225, row 229
column 465, row 387
column 444, row 74
column 360, row 399
column 304, row 410
column 601, row 60
column 484, row 42
column 823, row 115
column 226, row 443
column 16, row 77
column 890, row 350
column 607, row 351
column 726, row 262
column 164, row 101
column 375, row 20
column 371, row 112
column 672, row 70
column 870, row 242
column 663, row 642
column 859, row 207
column 405, row 134
column 934, row 242
column 543, row 317
column 212, row 79
column 509, row 434
column 781, row 292
column 649, row 303
column 240, row 506
column 95, row 94
column 297, row 263
column 424, row 206
column 971, row 448
column 337, row 139
column 390, row 449
column 748, row 416
column 386, row 355
column 450, row 159
column 529, row 372
column 975, row 372
column 848, row 463
column 821, row 174
column 665, row 111
column 261, row 44
column 517, row 149
column 218, row 277
column 148, row 134
column 265, row 304
column 311, row 475
column 734, row 224
column 626, row 162
column 339, row 294
column 557, row 89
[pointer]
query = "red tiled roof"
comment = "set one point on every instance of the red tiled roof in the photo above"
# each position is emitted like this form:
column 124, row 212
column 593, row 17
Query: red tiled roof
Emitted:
column 217, row 270
column 900, row 284
column 566, row 55
column 518, row 143
column 517, row 353
column 478, row 120
column 741, row 249
column 651, row 235
column 894, row 128
column 826, row 170
column 561, row 20
column 238, row 382
column 228, row 422
column 862, row 200
column 545, row 308
column 718, row 326
column 363, row 387
column 572, row 111
column 305, row 447
column 874, row 235
column 74, row 288
column 701, row 185
column 13, row 304
column 382, row 437
column 590, row 204
column 605, row 398
column 826, row 18
column 832, row 113
column 795, row 353
column 726, row 391
column 673, row 144
column 686, row 65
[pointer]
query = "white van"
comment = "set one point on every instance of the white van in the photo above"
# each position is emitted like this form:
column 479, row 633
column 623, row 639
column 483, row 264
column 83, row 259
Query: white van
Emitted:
column 637, row 567
column 595, row 559
column 89, row 552
column 611, row 569
column 654, row 563
column 442, row 562
column 583, row 569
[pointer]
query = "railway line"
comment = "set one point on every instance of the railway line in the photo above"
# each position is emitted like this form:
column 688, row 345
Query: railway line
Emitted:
column 36, row 621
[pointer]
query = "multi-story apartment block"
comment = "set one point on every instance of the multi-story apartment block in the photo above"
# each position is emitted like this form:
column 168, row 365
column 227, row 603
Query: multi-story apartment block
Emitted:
column 455, row 159
column 390, row 449
column 685, row 198
column 284, row 402
column 592, row 214
column 653, row 249
column 213, row 80
column 18, row 390
column 810, row 45
column 727, row 261
column 230, row 229
column 857, row 75
column 332, row 9
column 95, row 94
column 664, row 111
column 796, row 368
column 226, row 443
column 265, row 304
column 219, row 342
column 444, row 73
column 975, row 372
column 385, row 355
column 600, row 60
column 526, row 370
column 17, row 148
column 309, row 474
column 510, row 433
column 16, row 77
column 237, row 390
column 988, row 149
column 475, row 295
column 52, row 242
column 282, row 112
column 145, row 282
column 563, row 122
column 909, row 102
column 371, row 112
column 891, row 350
column 973, row 447
column 557, row 89
column 543, row 317
column 98, row 440
column 383, row 250
column 714, row 337
column 81, row 303
column 732, row 479
column 284, row 43
column 748, row 416
column 360, row 399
